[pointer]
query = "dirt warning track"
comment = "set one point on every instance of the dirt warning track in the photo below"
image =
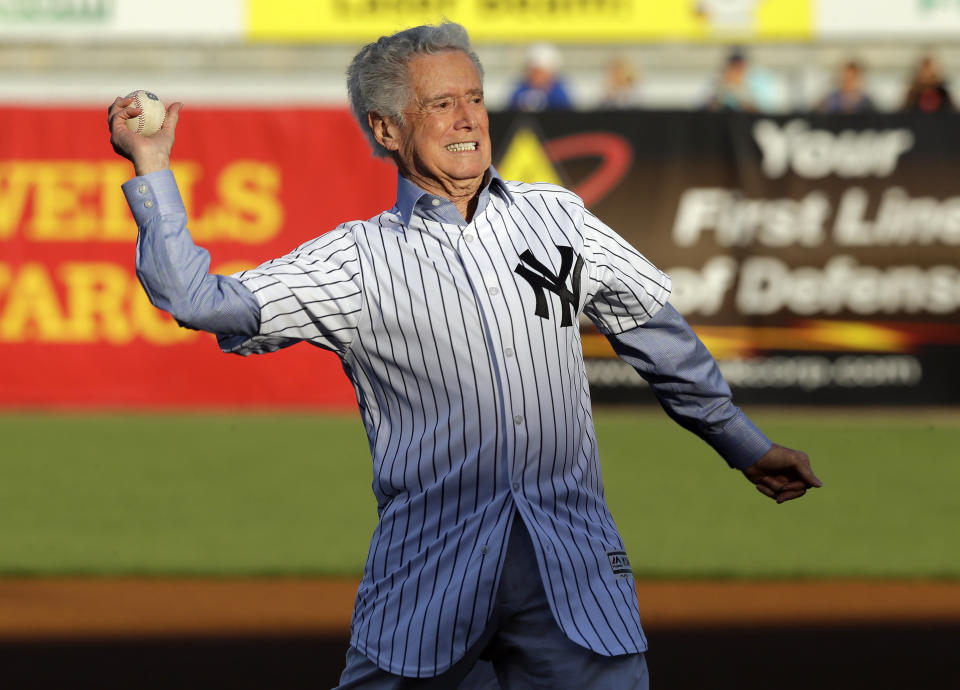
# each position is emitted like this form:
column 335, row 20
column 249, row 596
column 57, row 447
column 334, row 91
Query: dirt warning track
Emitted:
column 288, row 633
column 43, row 608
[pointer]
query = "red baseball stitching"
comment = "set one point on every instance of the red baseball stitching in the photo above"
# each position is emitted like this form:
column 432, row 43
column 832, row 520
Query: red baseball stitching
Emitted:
column 136, row 101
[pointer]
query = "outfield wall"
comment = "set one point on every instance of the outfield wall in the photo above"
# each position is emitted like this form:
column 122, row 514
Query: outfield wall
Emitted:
column 816, row 256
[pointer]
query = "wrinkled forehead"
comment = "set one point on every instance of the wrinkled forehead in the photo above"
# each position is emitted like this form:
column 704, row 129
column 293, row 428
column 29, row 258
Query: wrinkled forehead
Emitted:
column 432, row 75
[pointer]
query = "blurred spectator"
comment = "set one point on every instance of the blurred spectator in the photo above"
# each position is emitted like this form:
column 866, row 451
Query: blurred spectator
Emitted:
column 542, row 87
column 848, row 97
column 733, row 90
column 620, row 86
column 928, row 92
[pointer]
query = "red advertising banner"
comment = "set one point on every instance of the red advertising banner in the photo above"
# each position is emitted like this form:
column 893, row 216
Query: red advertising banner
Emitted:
column 75, row 326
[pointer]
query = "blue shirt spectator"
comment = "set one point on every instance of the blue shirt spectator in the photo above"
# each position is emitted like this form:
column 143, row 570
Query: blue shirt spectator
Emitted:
column 542, row 87
column 848, row 97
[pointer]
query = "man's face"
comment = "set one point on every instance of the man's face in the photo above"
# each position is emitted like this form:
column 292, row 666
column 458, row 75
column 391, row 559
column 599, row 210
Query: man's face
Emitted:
column 850, row 80
column 444, row 144
column 540, row 77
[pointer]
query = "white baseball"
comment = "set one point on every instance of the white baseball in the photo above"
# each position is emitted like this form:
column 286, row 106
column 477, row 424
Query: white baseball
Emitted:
column 151, row 119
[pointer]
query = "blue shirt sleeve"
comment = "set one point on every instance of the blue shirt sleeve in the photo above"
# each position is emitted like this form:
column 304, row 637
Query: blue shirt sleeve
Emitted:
column 174, row 271
column 684, row 376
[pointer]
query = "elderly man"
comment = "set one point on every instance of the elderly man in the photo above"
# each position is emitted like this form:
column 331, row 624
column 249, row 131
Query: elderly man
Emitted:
column 455, row 315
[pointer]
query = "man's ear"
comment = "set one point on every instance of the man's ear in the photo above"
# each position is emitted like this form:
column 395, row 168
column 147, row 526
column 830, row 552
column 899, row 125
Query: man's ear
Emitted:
column 384, row 131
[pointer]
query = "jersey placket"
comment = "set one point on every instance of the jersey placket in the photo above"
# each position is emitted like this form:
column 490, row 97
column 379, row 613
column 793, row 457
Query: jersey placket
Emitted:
column 491, row 277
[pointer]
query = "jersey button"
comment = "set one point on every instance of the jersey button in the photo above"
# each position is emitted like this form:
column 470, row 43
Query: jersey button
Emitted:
column 518, row 420
column 494, row 291
column 468, row 237
column 484, row 549
column 516, row 486
column 142, row 189
column 508, row 352
column 436, row 201
column 148, row 204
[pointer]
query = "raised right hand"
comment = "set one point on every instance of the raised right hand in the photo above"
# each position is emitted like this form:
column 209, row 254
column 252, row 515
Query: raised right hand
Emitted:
column 148, row 154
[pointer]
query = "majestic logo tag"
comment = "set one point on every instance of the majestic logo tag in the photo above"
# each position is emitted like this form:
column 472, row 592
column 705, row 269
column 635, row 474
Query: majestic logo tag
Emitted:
column 620, row 563
column 557, row 284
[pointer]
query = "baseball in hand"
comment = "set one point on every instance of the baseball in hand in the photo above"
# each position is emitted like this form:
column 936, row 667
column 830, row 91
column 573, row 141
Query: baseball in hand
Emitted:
column 151, row 118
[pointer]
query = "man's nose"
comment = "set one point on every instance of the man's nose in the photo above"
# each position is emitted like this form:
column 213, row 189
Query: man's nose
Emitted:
column 467, row 114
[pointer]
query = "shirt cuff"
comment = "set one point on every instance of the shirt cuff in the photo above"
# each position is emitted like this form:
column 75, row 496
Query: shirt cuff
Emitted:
column 151, row 195
column 740, row 442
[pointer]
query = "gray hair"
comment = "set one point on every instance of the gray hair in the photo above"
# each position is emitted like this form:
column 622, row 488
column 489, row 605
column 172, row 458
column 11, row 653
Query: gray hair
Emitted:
column 377, row 79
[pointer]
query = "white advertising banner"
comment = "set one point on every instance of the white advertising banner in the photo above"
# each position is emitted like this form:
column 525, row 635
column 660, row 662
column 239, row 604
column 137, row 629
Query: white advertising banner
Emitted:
column 121, row 20
column 890, row 19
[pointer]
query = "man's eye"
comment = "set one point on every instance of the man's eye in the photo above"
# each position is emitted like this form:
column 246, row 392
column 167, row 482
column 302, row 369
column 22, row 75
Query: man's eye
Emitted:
column 442, row 105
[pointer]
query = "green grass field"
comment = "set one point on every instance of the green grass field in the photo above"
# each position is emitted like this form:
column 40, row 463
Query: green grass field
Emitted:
column 244, row 494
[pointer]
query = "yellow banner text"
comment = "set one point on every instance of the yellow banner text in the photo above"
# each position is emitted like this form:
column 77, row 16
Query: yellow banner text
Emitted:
column 81, row 201
column 80, row 302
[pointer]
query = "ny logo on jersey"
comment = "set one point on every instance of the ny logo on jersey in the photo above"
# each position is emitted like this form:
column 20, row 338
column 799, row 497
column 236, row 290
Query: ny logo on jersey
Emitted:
column 555, row 283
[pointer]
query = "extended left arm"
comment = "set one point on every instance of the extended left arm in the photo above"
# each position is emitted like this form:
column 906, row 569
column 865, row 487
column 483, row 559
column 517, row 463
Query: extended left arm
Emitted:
column 685, row 378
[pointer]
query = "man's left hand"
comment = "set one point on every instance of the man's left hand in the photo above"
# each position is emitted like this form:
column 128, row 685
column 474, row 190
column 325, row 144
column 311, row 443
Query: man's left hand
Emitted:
column 783, row 474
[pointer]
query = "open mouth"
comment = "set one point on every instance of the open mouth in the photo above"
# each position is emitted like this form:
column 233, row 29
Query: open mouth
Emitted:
column 462, row 146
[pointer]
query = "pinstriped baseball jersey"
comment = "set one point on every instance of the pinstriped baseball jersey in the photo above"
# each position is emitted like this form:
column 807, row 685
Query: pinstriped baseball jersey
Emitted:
column 461, row 341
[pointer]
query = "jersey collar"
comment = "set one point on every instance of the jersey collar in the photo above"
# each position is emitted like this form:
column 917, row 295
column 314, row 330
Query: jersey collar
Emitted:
column 414, row 201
